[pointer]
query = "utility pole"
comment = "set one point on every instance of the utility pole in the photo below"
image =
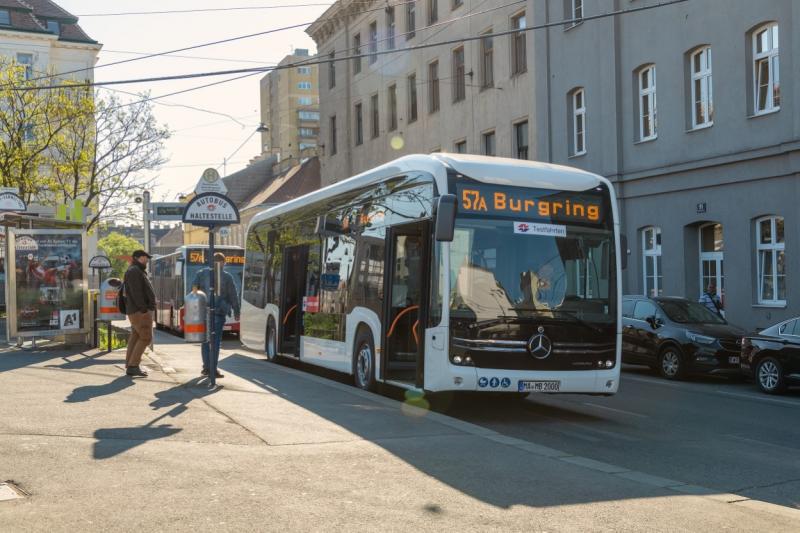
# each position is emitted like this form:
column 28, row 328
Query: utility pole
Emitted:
column 146, row 219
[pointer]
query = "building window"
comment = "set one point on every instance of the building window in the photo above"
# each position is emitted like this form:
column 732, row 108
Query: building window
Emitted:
column 651, row 252
column 357, row 53
column 412, row 98
column 711, row 258
column 702, row 90
column 54, row 27
column 333, row 135
column 376, row 114
column 26, row 61
column 331, row 70
column 578, row 105
column 770, row 255
column 373, row 42
column 390, row 28
column 576, row 11
column 392, row 96
column 519, row 53
column 307, row 132
column 461, row 146
column 766, row 69
column 5, row 17
column 411, row 20
column 433, row 87
column 433, row 12
column 521, row 140
column 459, row 73
column 305, row 100
column 359, row 125
column 304, row 70
column 304, row 85
column 309, row 115
column 647, row 103
column 487, row 60
column 489, row 143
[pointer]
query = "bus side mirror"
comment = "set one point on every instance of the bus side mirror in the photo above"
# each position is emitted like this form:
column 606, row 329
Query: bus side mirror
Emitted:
column 623, row 250
column 178, row 268
column 446, row 217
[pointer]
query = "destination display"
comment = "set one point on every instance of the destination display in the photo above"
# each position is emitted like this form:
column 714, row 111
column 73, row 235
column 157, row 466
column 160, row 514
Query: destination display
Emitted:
column 198, row 257
column 518, row 202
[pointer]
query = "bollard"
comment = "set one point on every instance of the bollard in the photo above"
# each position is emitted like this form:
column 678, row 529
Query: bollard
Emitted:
column 194, row 316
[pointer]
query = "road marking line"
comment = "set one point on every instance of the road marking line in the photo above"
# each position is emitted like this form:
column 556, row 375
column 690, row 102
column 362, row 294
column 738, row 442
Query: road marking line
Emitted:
column 759, row 398
column 762, row 442
column 622, row 411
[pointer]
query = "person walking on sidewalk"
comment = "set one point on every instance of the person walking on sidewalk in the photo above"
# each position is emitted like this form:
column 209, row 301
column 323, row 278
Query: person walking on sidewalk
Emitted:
column 140, row 304
column 711, row 299
column 225, row 304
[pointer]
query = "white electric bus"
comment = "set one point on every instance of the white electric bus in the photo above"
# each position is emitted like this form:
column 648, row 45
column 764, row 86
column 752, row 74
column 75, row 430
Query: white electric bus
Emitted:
column 444, row 272
column 173, row 275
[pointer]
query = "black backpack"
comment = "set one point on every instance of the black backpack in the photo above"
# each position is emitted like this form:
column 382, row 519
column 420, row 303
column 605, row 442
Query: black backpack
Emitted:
column 121, row 299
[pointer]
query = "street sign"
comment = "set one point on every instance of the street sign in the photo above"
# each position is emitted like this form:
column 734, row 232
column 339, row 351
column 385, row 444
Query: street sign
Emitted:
column 15, row 190
column 701, row 208
column 10, row 201
column 225, row 232
column 210, row 182
column 167, row 211
column 211, row 210
column 100, row 262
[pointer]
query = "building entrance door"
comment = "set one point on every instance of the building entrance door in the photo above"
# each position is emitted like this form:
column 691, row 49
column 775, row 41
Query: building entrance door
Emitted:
column 712, row 257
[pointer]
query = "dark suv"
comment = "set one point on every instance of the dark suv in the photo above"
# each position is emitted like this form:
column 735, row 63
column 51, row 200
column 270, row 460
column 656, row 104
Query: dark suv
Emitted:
column 677, row 336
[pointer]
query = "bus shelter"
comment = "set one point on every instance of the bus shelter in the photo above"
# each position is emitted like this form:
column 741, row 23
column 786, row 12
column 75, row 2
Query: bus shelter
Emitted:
column 44, row 267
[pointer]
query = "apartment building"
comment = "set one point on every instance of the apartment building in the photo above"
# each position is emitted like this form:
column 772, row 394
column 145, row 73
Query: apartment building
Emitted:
column 42, row 36
column 378, row 102
column 290, row 107
column 693, row 111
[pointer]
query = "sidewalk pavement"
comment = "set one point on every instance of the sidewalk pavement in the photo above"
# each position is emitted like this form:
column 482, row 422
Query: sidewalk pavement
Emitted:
column 280, row 449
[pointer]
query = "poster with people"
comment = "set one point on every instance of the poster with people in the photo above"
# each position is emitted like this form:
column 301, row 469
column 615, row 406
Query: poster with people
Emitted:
column 49, row 282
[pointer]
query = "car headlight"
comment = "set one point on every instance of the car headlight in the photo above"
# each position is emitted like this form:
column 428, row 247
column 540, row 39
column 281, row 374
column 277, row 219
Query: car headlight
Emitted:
column 700, row 339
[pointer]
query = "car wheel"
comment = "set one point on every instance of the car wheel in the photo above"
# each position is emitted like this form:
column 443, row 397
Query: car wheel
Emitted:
column 670, row 363
column 769, row 376
column 271, row 347
column 364, row 361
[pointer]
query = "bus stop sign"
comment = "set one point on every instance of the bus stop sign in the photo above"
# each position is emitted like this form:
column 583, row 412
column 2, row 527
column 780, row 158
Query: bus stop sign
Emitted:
column 211, row 210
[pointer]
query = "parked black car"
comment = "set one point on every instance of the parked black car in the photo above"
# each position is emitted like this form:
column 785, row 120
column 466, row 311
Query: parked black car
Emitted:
column 772, row 356
column 676, row 337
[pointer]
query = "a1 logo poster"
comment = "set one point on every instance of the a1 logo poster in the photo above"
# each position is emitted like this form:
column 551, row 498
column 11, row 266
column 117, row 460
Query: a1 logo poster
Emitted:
column 70, row 319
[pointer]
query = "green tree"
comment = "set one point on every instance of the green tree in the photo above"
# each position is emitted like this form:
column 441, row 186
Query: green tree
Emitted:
column 118, row 248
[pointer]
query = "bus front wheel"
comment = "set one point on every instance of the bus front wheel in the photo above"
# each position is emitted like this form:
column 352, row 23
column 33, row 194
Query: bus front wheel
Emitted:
column 364, row 360
column 271, row 347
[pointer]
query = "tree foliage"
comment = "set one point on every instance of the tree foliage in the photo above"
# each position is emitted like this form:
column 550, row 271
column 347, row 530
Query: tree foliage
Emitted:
column 67, row 144
column 118, row 248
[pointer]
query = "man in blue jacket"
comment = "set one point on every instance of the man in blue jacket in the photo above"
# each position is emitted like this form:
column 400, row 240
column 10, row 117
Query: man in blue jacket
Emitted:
column 225, row 304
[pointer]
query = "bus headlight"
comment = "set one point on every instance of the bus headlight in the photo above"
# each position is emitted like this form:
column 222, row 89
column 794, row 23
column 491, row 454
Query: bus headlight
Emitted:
column 609, row 363
column 457, row 359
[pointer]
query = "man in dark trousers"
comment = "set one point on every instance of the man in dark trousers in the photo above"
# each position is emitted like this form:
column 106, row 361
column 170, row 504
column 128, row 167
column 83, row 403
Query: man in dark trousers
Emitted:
column 140, row 304
column 225, row 304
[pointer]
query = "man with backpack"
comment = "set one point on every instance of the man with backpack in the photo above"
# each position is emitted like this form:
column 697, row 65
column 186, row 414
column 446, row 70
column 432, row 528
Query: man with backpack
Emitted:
column 139, row 303
column 225, row 303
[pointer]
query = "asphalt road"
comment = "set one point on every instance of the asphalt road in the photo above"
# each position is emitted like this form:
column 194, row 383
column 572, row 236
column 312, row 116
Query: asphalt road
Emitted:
column 715, row 432
column 719, row 433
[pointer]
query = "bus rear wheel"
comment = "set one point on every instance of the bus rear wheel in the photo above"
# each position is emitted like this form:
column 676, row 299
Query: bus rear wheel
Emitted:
column 271, row 347
column 364, row 361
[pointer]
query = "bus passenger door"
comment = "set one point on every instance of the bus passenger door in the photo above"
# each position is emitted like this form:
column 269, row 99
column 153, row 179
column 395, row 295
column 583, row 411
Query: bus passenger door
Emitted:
column 295, row 264
column 406, row 302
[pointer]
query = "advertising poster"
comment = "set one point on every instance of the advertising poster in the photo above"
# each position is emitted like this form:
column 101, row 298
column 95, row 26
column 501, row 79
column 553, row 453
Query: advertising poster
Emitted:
column 49, row 281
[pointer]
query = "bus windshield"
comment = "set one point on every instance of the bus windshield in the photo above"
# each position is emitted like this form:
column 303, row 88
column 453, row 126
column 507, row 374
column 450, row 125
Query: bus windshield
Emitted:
column 507, row 269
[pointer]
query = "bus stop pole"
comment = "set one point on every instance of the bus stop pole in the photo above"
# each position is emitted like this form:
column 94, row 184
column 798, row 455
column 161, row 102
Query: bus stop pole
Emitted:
column 213, row 354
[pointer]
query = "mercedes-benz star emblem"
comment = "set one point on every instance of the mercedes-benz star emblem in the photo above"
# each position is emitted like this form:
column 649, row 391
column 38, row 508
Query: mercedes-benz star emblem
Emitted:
column 540, row 345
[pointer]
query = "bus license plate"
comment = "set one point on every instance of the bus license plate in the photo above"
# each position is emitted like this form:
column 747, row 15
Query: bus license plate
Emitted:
column 539, row 386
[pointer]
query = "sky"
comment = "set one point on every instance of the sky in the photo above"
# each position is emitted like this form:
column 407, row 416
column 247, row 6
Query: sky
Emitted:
column 200, row 139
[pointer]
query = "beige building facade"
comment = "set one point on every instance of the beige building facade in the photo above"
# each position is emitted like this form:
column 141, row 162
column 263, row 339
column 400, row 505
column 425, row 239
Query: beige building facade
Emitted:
column 290, row 107
column 471, row 96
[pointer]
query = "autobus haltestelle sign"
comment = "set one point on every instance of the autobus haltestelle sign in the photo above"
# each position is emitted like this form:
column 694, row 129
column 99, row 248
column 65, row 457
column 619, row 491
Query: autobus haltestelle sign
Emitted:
column 211, row 209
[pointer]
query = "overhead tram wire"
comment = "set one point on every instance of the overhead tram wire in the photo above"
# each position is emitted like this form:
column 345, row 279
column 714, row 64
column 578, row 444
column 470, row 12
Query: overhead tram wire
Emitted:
column 206, row 10
column 449, row 42
column 201, row 45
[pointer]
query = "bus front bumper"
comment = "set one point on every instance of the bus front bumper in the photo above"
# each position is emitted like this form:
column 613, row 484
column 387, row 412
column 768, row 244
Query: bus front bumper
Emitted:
column 515, row 381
